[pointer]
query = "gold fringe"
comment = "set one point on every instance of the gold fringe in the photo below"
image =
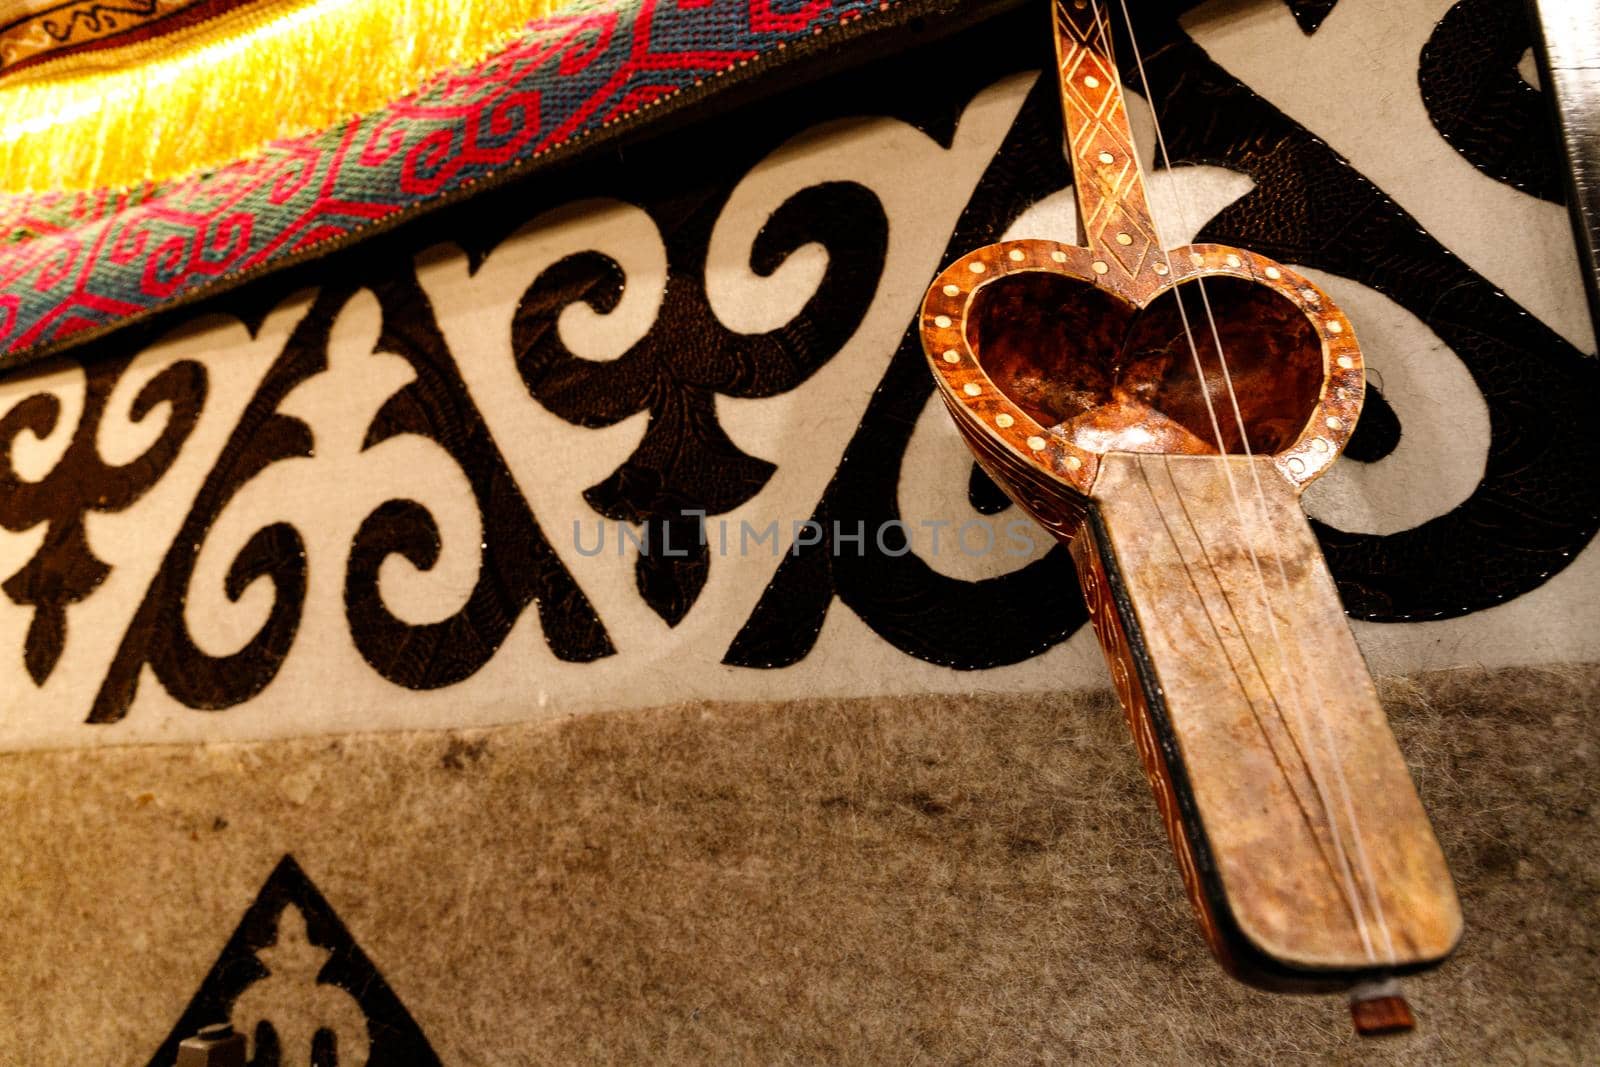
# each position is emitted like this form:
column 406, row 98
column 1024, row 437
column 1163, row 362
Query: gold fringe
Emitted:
column 219, row 91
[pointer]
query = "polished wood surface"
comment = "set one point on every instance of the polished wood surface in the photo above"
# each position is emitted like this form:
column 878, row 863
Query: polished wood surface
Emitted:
column 1105, row 166
column 1160, row 411
column 1316, row 838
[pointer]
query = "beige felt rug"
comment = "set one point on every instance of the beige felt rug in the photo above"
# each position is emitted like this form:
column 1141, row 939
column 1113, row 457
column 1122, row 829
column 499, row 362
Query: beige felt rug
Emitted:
column 930, row 880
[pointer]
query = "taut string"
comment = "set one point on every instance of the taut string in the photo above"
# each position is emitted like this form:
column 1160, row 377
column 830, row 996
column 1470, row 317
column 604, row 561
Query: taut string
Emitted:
column 1235, row 667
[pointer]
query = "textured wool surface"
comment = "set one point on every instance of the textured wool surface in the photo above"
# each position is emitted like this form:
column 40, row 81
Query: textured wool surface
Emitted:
column 930, row 880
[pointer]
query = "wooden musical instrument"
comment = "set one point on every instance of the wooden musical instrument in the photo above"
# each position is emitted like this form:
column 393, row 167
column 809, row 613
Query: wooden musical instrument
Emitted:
column 1160, row 411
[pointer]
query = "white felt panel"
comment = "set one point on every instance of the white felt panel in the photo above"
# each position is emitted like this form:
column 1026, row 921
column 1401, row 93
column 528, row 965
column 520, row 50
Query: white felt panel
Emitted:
column 1336, row 83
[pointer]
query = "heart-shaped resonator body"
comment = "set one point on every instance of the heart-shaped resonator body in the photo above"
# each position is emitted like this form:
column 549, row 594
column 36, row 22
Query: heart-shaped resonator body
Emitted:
column 1049, row 360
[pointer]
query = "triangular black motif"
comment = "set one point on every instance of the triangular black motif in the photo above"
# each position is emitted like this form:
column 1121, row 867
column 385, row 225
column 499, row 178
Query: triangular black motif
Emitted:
column 292, row 932
column 1310, row 13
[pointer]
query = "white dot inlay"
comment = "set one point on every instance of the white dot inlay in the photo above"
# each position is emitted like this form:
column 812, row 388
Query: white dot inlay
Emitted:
column 952, row 290
column 1036, row 443
column 1297, row 465
column 1161, row 269
column 1016, row 255
column 942, row 321
column 1274, row 273
column 1059, row 257
column 1345, row 362
column 1333, row 422
column 1234, row 261
column 1004, row 421
column 1073, row 463
column 976, row 266
column 1099, row 267
column 1335, row 326
column 1124, row 239
column 952, row 356
column 1091, row 81
column 1107, row 157
column 972, row 388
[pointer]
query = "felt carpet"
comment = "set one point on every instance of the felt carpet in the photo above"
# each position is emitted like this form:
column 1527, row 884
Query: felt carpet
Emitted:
column 931, row 880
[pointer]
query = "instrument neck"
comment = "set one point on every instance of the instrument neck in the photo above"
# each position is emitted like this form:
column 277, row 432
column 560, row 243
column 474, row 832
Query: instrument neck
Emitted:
column 1115, row 214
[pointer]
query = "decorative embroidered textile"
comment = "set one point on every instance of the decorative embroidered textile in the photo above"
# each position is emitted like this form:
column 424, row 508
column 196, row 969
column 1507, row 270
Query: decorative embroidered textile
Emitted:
column 222, row 80
column 39, row 31
column 74, row 265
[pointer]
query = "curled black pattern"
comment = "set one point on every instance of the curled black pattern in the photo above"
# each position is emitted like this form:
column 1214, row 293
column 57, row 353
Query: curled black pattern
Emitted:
column 1479, row 102
column 969, row 625
column 686, row 462
column 985, row 497
column 212, row 683
column 1536, row 507
column 1538, row 503
column 158, row 634
column 64, row 570
column 518, row 565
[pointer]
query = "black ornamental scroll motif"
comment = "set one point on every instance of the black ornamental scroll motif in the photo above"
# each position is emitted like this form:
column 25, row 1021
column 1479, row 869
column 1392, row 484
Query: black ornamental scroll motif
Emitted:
column 1538, row 503
column 158, row 635
column 1536, row 506
column 64, row 570
column 518, row 565
column 290, row 933
column 686, row 462
column 965, row 624
column 1480, row 103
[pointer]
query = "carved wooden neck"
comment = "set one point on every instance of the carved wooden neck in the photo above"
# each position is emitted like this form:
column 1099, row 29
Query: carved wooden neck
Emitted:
column 1117, row 224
